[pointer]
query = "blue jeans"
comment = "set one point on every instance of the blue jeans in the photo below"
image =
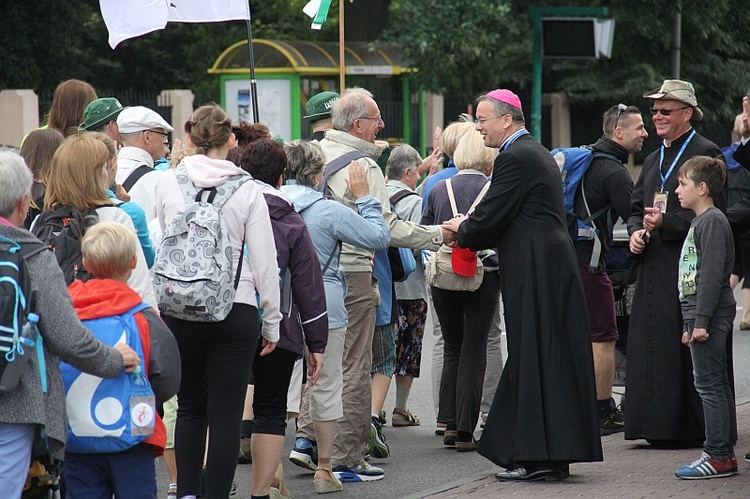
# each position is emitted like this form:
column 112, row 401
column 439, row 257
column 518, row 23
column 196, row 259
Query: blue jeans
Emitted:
column 15, row 455
column 131, row 474
column 711, row 370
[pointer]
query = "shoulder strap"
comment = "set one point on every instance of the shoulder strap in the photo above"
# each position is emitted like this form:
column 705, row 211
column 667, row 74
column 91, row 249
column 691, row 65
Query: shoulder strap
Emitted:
column 451, row 197
column 337, row 249
column 143, row 332
column 600, row 154
column 401, row 194
column 134, row 176
column 337, row 164
column 479, row 197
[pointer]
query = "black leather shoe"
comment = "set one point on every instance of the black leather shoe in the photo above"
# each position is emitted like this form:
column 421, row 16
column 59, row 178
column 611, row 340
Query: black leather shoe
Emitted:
column 522, row 474
column 747, row 457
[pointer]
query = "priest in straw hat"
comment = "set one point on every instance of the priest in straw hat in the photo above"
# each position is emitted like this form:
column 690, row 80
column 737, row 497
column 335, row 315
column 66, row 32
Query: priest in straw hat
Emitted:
column 663, row 406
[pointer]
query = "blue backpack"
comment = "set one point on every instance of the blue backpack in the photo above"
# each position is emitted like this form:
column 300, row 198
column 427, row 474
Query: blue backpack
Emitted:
column 115, row 414
column 574, row 162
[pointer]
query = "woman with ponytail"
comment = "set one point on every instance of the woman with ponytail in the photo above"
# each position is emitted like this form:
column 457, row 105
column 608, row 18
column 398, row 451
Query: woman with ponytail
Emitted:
column 217, row 356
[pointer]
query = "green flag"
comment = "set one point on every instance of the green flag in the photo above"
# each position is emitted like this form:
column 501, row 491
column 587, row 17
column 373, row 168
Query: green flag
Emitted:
column 317, row 10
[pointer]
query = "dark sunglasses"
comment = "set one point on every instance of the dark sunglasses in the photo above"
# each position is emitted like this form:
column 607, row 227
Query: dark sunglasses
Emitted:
column 665, row 112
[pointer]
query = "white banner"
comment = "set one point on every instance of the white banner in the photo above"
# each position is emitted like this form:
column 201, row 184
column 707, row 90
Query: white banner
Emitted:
column 132, row 18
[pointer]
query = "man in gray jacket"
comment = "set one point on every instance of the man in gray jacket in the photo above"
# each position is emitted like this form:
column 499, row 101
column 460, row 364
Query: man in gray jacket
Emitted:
column 38, row 403
column 356, row 123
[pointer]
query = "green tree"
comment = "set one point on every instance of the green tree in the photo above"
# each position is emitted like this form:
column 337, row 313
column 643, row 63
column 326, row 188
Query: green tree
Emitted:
column 460, row 48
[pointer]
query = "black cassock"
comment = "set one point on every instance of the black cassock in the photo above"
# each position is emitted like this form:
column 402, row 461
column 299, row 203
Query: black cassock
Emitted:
column 545, row 405
column 661, row 400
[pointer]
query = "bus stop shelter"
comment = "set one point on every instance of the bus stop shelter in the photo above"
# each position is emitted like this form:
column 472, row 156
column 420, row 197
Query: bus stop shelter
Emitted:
column 289, row 72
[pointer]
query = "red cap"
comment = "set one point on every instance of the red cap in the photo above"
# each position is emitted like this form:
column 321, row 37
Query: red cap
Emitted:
column 505, row 96
column 464, row 261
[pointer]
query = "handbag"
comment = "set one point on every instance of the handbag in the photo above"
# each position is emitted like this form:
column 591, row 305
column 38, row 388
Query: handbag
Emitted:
column 439, row 268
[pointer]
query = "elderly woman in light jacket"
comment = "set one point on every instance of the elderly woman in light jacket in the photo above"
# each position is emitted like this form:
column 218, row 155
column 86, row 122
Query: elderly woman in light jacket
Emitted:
column 330, row 223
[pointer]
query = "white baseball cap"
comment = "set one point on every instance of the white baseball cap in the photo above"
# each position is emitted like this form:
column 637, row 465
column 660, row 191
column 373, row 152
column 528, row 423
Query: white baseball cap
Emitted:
column 139, row 118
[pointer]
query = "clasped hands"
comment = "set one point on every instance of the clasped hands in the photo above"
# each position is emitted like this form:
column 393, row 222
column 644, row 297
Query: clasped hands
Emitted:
column 450, row 228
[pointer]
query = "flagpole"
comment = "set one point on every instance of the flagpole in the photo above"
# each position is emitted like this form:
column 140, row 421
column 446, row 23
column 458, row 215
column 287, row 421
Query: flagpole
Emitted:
column 342, row 65
column 253, row 83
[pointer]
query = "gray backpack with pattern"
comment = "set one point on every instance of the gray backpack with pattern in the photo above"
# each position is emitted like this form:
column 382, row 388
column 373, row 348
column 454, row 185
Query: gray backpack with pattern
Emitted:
column 193, row 275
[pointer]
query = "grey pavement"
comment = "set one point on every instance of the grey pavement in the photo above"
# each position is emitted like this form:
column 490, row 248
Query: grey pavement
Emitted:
column 631, row 469
column 420, row 466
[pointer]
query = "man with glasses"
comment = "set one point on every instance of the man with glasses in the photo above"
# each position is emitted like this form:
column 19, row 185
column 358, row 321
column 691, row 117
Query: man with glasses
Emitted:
column 543, row 416
column 145, row 138
column 356, row 123
column 605, row 193
column 662, row 405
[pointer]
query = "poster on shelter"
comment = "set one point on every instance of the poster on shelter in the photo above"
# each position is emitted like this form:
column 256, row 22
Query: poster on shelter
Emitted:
column 274, row 104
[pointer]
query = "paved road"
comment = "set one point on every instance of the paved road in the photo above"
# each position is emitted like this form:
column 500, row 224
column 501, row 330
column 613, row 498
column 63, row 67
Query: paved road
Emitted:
column 420, row 466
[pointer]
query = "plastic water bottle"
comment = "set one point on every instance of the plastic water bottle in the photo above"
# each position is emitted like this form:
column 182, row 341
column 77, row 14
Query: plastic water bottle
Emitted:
column 142, row 404
column 18, row 356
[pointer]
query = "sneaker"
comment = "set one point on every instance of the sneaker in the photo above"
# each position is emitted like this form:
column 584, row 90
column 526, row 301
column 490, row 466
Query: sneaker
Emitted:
column 172, row 491
column 707, row 467
column 747, row 457
column 233, row 490
column 359, row 473
column 376, row 445
column 614, row 422
column 305, row 454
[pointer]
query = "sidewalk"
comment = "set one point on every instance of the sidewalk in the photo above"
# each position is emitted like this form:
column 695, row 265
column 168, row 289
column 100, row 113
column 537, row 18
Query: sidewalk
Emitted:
column 631, row 469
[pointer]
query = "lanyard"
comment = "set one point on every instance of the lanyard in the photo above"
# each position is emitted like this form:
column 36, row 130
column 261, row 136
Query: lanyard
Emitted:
column 664, row 177
column 513, row 138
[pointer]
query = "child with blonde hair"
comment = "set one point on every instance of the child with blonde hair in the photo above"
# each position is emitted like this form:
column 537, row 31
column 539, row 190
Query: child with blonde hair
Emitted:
column 114, row 431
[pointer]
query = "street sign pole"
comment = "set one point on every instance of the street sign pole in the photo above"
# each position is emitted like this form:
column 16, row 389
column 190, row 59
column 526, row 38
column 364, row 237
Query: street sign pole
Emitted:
column 536, row 14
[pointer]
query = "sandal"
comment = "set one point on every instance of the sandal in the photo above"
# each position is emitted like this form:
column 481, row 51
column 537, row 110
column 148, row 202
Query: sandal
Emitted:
column 325, row 486
column 409, row 419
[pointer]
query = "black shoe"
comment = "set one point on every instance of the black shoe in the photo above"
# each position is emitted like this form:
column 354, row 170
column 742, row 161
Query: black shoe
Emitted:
column 522, row 474
column 245, row 455
column 747, row 457
column 449, row 438
column 614, row 422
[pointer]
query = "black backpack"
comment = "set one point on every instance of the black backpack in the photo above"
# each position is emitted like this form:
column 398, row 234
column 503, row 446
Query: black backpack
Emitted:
column 62, row 230
column 16, row 307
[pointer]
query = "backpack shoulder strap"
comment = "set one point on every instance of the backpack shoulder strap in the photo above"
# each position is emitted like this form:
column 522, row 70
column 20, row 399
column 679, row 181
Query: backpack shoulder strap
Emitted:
column 135, row 176
column 337, row 249
column 600, row 154
column 144, row 333
column 338, row 164
column 401, row 194
column 227, row 189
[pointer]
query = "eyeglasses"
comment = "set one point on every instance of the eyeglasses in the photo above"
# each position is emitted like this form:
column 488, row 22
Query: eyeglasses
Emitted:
column 164, row 135
column 482, row 121
column 665, row 112
column 377, row 118
column 620, row 108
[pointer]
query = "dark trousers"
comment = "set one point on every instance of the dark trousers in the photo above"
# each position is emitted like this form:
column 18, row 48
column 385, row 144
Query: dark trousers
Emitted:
column 271, row 374
column 216, row 362
column 711, row 373
column 465, row 319
column 131, row 473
